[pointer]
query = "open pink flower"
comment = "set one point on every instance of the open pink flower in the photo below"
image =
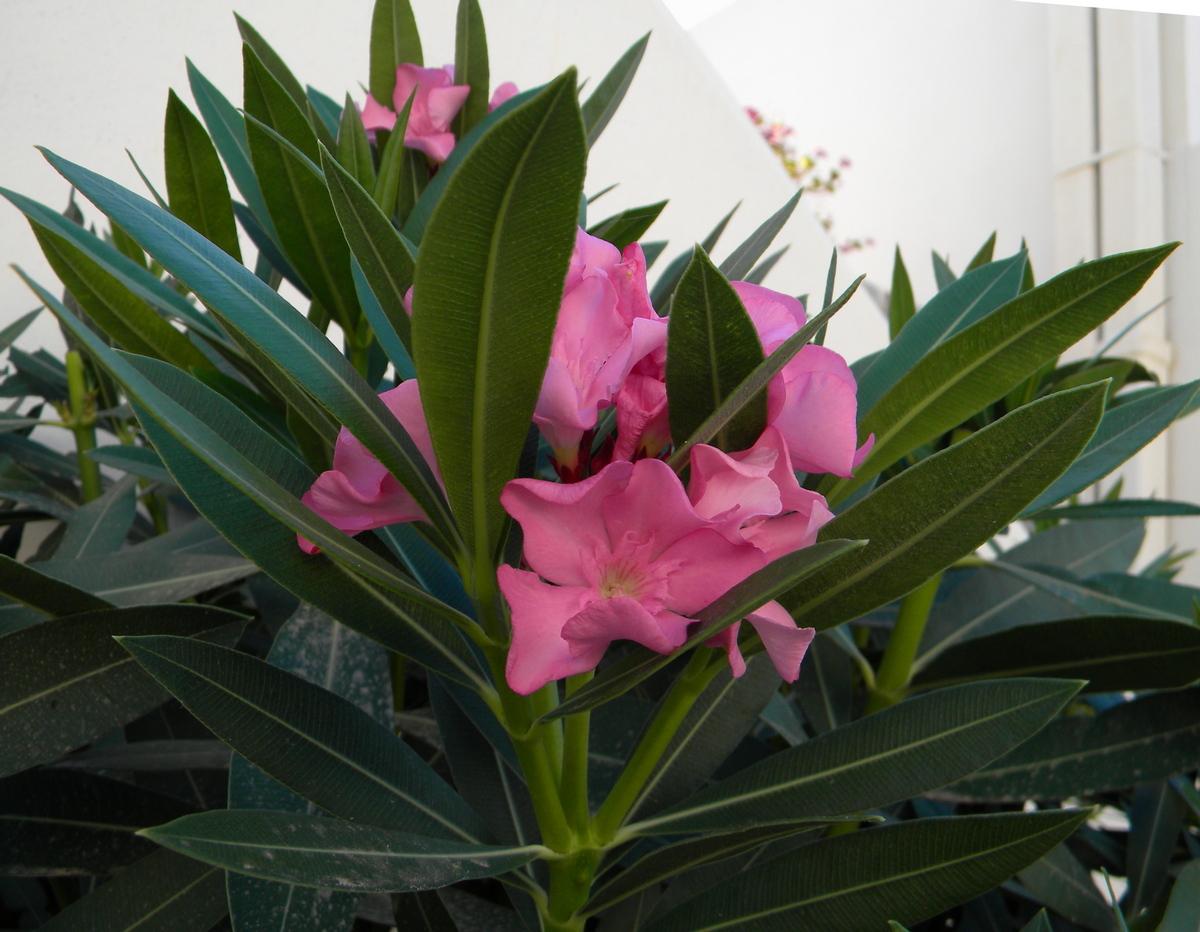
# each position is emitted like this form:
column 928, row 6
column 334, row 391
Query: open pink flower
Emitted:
column 359, row 494
column 437, row 102
column 813, row 400
column 606, row 325
column 624, row 554
column 502, row 94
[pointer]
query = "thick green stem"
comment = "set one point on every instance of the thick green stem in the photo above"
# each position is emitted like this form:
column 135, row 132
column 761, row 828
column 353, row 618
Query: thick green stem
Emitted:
column 570, row 886
column 82, row 421
column 574, row 784
column 896, row 667
column 683, row 694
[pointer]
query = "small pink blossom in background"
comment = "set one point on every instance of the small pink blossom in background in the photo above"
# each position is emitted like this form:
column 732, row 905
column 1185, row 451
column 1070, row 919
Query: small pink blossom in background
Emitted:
column 626, row 555
column 359, row 494
column 813, row 401
column 502, row 94
column 606, row 326
column 437, row 101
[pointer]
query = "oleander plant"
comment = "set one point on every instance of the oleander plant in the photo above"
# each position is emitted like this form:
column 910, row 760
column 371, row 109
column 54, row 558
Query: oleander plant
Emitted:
column 473, row 582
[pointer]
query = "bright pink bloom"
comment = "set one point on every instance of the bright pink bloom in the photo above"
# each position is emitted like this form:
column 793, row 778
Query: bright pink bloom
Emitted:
column 359, row 494
column 504, row 92
column 625, row 555
column 606, row 325
column 813, row 400
column 437, row 101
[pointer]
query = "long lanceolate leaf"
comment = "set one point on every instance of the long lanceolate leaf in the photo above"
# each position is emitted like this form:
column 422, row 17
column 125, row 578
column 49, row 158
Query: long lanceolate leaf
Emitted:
column 908, row 749
column 947, row 505
column 428, row 618
column 275, row 327
column 712, row 348
column 982, row 363
column 852, row 882
column 609, row 93
column 756, row 382
column 67, row 682
column 163, row 892
column 1123, row 431
column 488, row 285
column 752, row 593
column 316, row 852
column 318, row 744
column 741, row 260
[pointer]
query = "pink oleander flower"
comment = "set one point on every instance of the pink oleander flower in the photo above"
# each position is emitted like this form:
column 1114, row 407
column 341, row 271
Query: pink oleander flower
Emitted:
column 625, row 554
column 437, row 102
column 606, row 325
column 813, row 400
column 359, row 494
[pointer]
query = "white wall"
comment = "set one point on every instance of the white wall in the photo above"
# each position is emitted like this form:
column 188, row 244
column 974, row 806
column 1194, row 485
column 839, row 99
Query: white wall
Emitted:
column 88, row 80
column 942, row 106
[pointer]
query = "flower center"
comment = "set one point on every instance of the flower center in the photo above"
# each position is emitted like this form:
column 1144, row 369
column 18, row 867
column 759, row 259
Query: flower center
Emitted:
column 623, row 578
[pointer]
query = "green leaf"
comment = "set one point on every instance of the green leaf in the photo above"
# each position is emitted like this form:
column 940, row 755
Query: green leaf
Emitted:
column 664, row 863
column 1083, row 596
column 628, row 226
column 323, row 112
column 609, row 93
column 756, row 275
column 901, row 305
column 61, row 822
column 1151, row 738
column 320, row 650
column 138, row 461
column 946, row 506
column 661, row 293
column 825, row 692
column 988, row 602
column 751, row 593
column 742, row 259
column 393, row 163
column 983, row 362
column 1039, row 923
column 984, row 256
column 852, row 882
column 1150, row 595
column 275, row 65
column 100, row 526
column 1183, row 909
column 713, row 346
column 68, row 682
column 275, row 328
column 1120, row 508
column 951, row 310
column 228, row 130
column 1123, row 431
column 903, row 751
column 758, row 378
column 942, row 272
column 295, row 191
column 415, row 624
column 1156, row 819
column 320, row 745
column 311, row 851
column 196, row 186
column 471, row 66
column 1061, row 882
column 385, row 334
column 394, row 42
column 353, row 147
column 384, row 257
column 30, row 586
column 486, row 293
column 1114, row 653
column 163, row 892
column 713, row 727
column 116, row 310
column 10, row 333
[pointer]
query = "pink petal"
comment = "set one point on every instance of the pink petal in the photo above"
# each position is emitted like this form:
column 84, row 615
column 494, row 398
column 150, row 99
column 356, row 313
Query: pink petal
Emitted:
column 443, row 104
column 376, row 116
column 591, row 630
column 726, row 640
column 352, row 509
column 560, row 413
column 404, row 401
column 504, row 92
column 733, row 488
column 776, row 316
column 564, row 524
column 653, row 509
column 408, row 76
column 642, row 424
column 539, row 654
column 706, row 567
column 815, row 410
column 437, row 146
column 785, row 643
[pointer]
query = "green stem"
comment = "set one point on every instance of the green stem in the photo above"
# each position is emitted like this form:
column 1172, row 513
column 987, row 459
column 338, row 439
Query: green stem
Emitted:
column 575, row 763
column 570, row 885
column 82, row 420
column 896, row 667
column 683, row 694
column 399, row 669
